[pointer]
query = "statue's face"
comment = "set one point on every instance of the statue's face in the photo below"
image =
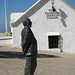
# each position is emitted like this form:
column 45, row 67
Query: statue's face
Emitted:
column 27, row 22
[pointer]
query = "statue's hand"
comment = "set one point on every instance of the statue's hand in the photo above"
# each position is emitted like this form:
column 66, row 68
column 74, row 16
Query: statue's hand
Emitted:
column 24, row 55
column 28, row 54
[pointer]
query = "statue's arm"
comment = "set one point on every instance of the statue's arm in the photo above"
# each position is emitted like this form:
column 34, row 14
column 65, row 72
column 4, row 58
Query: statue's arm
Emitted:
column 25, row 39
column 25, row 42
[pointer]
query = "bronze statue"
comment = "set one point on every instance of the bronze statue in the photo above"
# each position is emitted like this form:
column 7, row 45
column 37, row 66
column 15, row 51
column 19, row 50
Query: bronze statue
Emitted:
column 29, row 47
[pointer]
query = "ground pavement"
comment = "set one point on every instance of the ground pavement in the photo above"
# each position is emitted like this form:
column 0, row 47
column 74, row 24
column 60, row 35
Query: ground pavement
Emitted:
column 48, row 63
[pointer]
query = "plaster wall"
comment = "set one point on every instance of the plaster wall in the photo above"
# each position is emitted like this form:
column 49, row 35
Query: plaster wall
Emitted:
column 64, row 25
column 15, row 16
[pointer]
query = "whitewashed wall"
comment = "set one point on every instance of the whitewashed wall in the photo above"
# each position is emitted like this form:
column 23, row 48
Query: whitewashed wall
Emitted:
column 65, row 25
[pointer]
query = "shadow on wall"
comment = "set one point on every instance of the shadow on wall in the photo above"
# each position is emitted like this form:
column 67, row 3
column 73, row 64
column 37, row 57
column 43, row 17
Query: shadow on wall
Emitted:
column 61, row 43
column 63, row 17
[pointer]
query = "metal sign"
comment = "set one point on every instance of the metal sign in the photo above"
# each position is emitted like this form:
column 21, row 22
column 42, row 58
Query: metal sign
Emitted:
column 52, row 14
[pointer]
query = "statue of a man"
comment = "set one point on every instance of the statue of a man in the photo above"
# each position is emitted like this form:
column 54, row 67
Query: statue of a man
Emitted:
column 29, row 47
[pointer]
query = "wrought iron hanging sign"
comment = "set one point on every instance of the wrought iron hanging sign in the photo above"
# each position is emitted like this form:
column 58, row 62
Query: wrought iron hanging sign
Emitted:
column 52, row 13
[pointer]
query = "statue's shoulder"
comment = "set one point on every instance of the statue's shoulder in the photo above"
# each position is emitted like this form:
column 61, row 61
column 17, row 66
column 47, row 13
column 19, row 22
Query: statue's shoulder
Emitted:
column 26, row 31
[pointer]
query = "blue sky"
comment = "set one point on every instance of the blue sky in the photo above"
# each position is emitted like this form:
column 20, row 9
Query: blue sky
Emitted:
column 14, row 6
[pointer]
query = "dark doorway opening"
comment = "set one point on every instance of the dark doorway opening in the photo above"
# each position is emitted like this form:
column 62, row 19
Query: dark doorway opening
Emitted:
column 53, row 41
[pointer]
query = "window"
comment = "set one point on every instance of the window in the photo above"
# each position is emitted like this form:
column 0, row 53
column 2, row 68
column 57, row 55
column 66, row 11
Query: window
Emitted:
column 53, row 41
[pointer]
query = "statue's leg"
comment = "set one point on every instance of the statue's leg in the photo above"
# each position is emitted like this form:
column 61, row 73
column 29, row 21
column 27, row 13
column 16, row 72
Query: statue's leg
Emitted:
column 28, row 66
column 34, row 60
column 33, row 64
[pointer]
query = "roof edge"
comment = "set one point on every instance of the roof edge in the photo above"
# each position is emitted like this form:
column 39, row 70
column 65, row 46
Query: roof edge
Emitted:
column 12, row 22
column 68, row 4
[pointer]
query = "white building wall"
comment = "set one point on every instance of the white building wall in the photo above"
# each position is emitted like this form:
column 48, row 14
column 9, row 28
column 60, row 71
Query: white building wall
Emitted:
column 17, row 36
column 15, row 16
column 16, row 30
column 65, row 25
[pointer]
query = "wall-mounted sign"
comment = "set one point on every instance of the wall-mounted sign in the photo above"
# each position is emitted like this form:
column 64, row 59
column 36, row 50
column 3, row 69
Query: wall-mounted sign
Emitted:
column 52, row 14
